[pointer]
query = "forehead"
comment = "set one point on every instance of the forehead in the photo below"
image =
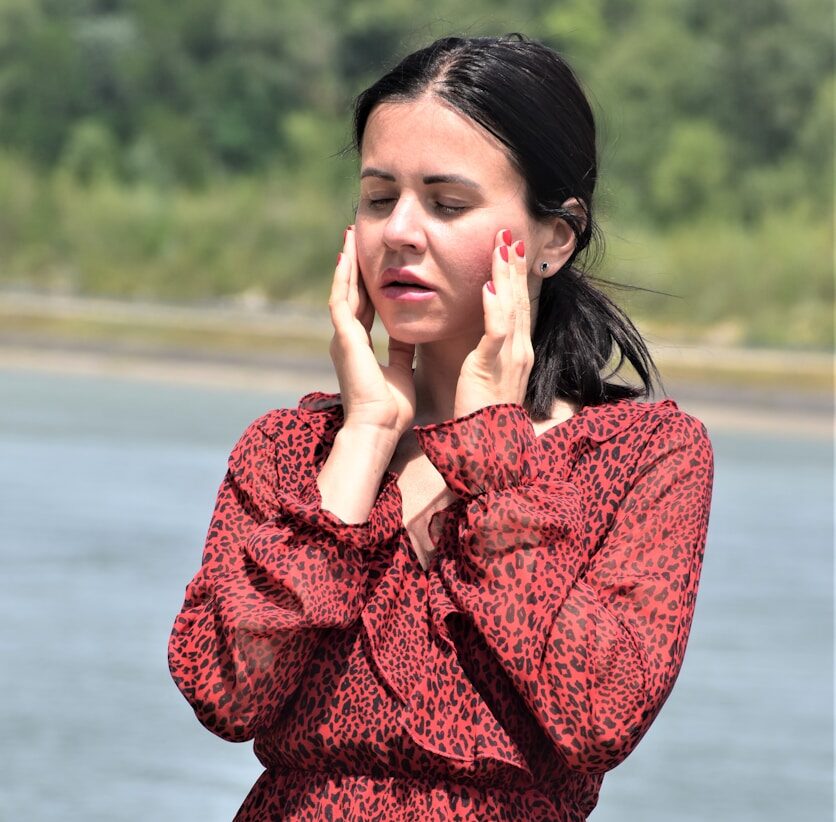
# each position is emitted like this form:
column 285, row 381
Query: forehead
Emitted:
column 425, row 136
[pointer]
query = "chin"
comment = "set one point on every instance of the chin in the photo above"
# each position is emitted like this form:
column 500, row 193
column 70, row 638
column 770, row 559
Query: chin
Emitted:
column 412, row 333
column 423, row 332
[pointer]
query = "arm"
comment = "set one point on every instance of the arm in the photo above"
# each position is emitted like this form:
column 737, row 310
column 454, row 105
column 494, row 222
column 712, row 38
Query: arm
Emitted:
column 592, row 643
column 276, row 571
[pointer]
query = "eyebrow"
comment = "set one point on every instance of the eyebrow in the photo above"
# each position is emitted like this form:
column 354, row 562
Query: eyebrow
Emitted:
column 431, row 179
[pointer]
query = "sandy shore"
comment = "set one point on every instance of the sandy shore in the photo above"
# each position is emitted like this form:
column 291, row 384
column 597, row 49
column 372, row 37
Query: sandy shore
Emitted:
column 283, row 348
column 723, row 408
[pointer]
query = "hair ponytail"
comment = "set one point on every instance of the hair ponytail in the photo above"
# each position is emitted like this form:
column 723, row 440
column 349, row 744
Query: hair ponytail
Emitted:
column 578, row 331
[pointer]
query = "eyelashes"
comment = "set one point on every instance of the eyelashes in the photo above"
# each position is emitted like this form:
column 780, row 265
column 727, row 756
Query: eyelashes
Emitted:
column 448, row 209
column 382, row 204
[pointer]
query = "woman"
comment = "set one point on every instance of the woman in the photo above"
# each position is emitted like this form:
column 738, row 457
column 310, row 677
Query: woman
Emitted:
column 461, row 590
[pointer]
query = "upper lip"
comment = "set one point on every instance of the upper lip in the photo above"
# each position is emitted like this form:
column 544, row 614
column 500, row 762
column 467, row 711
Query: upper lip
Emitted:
column 401, row 276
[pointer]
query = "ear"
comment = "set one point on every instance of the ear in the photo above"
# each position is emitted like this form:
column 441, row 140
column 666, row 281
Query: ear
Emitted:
column 560, row 242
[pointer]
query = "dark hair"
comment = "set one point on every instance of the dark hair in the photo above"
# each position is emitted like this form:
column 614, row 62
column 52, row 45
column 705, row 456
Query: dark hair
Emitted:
column 528, row 97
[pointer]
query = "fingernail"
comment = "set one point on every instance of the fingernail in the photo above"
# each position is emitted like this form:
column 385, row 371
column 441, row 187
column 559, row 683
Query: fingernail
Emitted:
column 520, row 248
column 506, row 236
column 503, row 252
column 491, row 287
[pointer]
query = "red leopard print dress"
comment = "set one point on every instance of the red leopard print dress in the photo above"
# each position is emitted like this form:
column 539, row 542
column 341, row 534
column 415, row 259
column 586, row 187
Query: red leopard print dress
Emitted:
column 498, row 685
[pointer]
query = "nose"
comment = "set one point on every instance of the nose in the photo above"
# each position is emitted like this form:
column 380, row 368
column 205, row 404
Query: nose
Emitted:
column 405, row 225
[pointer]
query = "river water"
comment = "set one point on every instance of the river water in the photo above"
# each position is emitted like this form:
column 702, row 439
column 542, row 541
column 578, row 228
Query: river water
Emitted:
column 105, row 493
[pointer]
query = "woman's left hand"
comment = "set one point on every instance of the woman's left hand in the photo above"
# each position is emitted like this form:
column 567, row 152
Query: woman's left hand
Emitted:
column 497, row 370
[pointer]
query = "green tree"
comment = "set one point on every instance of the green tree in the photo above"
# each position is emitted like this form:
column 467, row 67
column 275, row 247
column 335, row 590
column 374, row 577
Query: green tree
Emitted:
column 692, row 176
column 91, row 153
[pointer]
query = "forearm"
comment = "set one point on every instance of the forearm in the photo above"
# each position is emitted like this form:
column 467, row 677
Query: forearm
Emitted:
column 351, row 475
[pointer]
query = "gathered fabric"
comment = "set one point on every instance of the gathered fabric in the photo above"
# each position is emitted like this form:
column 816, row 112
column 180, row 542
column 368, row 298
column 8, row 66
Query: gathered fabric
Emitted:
column 500, row 683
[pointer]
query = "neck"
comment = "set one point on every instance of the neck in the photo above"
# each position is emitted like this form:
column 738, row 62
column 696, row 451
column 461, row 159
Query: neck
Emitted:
column 437, row 370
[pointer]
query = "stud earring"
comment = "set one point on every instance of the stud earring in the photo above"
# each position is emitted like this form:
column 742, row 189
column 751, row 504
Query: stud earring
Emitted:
column 544, row 267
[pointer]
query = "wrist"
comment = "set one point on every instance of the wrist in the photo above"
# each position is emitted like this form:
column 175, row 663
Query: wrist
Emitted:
column 468, row 406
column 350, row 478
column 365, row 437
column 501, row 446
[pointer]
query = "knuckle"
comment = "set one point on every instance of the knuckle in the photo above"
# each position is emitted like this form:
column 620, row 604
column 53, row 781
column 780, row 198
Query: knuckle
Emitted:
column 340, row 339
column 523, row 355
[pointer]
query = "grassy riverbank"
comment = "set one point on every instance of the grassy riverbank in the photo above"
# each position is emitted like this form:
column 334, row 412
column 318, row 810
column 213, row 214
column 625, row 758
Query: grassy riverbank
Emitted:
column 285, row 347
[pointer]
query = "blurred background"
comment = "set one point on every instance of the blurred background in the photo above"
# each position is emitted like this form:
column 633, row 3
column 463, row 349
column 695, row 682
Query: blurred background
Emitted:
column 173, row 188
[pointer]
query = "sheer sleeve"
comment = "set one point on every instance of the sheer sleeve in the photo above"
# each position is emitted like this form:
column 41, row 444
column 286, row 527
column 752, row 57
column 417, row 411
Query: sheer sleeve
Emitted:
column 592, row 637
column 277, row 570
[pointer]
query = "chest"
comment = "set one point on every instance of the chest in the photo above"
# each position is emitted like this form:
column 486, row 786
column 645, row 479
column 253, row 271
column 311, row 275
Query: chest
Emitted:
column 423, row 492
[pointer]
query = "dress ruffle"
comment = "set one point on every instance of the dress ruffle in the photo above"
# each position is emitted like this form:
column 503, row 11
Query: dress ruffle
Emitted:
column 405, row 621
column 406, row 612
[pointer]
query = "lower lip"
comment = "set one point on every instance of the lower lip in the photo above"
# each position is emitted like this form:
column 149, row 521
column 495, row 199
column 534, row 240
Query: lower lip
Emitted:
column 406, row 293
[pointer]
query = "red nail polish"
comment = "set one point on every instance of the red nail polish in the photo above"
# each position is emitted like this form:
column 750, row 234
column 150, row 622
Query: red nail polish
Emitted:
column 491, row 287
column 506, row 236
column 520, row 249
column 503, row 252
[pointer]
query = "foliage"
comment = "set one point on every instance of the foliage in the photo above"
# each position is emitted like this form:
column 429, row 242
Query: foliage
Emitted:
column 770, row 283
column 183, row 149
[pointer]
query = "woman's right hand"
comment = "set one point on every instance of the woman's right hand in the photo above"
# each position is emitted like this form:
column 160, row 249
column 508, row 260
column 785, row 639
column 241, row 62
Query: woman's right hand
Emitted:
column 374, row 396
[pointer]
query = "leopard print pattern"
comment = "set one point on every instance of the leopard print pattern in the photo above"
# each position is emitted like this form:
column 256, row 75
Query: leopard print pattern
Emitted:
column 501, row 683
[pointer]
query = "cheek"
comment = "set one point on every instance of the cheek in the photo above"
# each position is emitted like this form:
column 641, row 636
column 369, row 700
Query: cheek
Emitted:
column 365, row 250
column 473, row 261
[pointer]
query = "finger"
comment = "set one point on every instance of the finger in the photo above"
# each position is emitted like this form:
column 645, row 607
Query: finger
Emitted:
column 523, row 305
column 342, row 317
column 503, row 237
column 401, row 354
column 353, row 269
column 365, row 312
column 496, row 325
column 502, row 281
column 499, row 270
column 339, row 285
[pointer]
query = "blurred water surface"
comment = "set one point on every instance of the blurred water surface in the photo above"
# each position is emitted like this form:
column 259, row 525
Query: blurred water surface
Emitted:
column 105, row 495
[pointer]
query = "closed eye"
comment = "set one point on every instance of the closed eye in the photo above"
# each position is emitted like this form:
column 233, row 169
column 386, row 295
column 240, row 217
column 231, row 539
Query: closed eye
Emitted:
column 379, row 203
column 443, row 208
column 385, row 203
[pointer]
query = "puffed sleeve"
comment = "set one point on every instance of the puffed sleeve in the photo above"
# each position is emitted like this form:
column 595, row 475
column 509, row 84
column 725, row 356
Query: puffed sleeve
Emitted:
column 592, row 640
column 276, row 571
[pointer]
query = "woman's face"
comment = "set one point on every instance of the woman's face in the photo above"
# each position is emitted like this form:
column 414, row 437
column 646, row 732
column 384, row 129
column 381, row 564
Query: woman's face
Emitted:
column 435, row 189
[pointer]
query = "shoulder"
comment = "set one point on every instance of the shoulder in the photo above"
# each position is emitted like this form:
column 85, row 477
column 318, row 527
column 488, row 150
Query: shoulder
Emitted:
column 295, row 435
column 643, row 436
column 285, row 443
column 652, row 453
column 638, row 422
column 672, row 428
column 314, row 415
